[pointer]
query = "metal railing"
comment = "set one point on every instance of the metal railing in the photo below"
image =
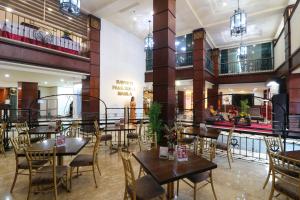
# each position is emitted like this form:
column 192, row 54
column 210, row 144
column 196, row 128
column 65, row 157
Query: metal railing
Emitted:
column 26, row 29
column 247, row 66
column 182, row 60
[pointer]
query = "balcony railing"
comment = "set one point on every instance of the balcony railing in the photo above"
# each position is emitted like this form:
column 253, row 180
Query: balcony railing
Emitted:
column 247, row 66
column 22, row 28
column 182, row 60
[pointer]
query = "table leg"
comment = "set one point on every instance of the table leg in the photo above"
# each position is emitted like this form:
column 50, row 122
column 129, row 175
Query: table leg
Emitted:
column 60, row 160
column 170, row 190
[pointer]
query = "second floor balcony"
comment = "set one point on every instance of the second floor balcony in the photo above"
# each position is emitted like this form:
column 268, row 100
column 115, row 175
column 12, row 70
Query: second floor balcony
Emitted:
column 246, row 66
column 28, row 31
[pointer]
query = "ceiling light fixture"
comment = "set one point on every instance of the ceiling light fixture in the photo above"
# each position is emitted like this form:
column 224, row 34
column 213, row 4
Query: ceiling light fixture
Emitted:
column 9, row 9
column 6, row 75
column 238, row 22
column 71, row 7
column 45, row 82
column 62, row 80
column 149, row 43
column 242, row 51
column 50, row 9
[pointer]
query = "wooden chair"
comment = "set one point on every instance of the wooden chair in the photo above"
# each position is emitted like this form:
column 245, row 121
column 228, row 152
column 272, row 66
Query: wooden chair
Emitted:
column 206, row 148
column 19, row 144
column 23, row 128
column 2, row 132
column 103, row 137
column 142, row 188
column 273, row 144
column 285, row 176
column 227, row 147
column 73, row 130
column 135, row 135
column 87, row 160
column 48, row 175
column 181, row 140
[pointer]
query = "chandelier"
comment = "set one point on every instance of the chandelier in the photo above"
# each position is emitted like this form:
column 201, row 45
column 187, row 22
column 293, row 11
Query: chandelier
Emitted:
column 242, row 52
column 238, row 22
column 71, row 7
column 149, row 43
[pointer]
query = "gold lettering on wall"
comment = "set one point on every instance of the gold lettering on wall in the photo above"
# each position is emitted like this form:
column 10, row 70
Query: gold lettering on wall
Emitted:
column 123, row 88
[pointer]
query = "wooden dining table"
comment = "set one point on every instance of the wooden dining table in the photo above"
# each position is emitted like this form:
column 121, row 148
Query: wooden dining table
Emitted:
column 120, row 129
column 44, row 130
column 72, row 147
column 201, row 132
column 168, row 171
column 292, row 154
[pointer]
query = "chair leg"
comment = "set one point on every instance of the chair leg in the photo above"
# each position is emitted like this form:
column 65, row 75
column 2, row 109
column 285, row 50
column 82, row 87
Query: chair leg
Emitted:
column 29, row 191
column 71, row 172
column 271, row 193
column 97, row 164
column 177, row 191
column 55, row 191
column 195, row 191
column 94, row 174
column 267, row 180
column 125, row 195
column 228, row 158
column 212, row 186
column 14, row 182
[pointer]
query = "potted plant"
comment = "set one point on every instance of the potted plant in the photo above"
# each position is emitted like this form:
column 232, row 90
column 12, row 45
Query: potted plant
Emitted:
column 244, row 117
column 155, row 122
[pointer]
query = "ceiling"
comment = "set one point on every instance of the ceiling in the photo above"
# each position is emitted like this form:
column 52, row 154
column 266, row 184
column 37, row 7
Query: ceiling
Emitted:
column 264, row 17
column 12, row 73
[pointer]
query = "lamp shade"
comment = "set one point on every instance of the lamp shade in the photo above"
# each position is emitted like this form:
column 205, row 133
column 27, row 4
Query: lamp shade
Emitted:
column 238, row 23
column 71, row 7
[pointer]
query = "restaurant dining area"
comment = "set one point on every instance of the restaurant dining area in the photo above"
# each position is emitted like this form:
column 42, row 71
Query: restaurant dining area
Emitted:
column 149, row 99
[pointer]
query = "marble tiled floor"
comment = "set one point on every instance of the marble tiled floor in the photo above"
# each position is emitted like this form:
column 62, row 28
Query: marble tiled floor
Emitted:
column 243, row 181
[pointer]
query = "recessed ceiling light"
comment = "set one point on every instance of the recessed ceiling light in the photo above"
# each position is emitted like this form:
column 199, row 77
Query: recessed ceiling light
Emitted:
column 70, row 18
column 7, row 75
column 7, row 20
column 224, row 4
column 62, row 80
column 50, row 9
column 152, row 13
column 134, row 19
column 9, row 9
column 46, row 82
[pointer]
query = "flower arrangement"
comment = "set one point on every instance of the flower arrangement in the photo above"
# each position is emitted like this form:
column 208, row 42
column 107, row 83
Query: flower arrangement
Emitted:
column 171, row 134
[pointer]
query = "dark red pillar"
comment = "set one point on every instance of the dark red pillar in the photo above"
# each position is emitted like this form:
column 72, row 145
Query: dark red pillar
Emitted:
column 164, row 57
column 199, row 75
column 215, row 57
column 27, row 99
column 91, row 86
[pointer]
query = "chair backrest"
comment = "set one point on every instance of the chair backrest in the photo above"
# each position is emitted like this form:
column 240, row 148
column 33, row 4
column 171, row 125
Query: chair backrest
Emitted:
column 206, row 148
column 97, row 143
column 273, row 144
column 73, row 129
column 130, row 182
column 2, row 131
column 20, row 143
column 140, row 128
column 229, row 138
column 22, row 128
column 41, row 158
column 286, row 170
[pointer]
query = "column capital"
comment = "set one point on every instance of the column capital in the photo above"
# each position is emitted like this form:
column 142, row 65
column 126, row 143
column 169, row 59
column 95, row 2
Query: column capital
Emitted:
column 94, row 22
column 199, row 34
column 215, row 52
